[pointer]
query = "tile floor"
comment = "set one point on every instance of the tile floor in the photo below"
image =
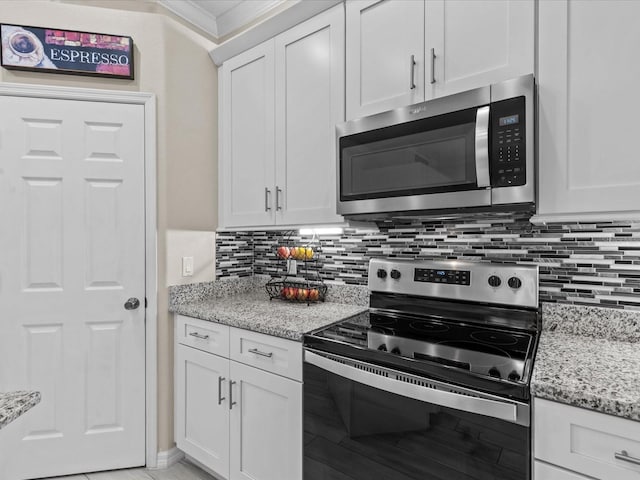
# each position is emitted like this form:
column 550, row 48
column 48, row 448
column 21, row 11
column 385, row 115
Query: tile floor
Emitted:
column 180, row 471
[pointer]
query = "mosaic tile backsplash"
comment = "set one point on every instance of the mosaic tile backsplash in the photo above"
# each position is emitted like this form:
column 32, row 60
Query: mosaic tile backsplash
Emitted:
column 580, row 263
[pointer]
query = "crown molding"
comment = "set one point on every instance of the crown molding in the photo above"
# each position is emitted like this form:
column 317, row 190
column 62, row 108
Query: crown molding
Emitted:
column 243, row 14
column 192, row 13
column 297, row 12
column 219, row 26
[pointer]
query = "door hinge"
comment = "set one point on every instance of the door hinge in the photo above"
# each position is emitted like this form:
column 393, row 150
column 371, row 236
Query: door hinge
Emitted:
column 145, row 302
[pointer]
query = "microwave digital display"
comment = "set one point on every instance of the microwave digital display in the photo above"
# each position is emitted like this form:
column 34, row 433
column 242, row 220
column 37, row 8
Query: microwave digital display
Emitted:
column 510, row 120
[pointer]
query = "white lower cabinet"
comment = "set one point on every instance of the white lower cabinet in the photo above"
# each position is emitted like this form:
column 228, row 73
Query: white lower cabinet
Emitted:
column 266, row 425
column 549, row 472
column 202, row 417
column 241, row 421
column 574, row 443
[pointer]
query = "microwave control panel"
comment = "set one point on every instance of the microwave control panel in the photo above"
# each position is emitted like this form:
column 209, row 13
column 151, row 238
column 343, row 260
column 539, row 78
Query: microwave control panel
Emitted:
column 508, row 159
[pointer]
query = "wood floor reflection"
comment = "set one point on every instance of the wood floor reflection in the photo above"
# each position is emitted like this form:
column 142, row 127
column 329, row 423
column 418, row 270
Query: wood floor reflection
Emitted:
column 452, row 446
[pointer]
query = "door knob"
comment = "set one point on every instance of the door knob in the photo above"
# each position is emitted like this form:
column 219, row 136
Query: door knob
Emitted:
column 131, row 304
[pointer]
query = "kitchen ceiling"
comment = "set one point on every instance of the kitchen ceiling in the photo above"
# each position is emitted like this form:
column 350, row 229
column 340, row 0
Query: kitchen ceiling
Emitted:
column 219, row 18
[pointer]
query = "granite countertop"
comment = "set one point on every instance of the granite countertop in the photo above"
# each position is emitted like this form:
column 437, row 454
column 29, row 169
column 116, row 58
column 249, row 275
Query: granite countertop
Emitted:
column 245, row 304
column 14, row 404
column 589, row 357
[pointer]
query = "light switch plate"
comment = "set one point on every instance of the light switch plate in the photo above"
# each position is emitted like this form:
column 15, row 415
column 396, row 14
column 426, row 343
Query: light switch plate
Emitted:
column 187, row 266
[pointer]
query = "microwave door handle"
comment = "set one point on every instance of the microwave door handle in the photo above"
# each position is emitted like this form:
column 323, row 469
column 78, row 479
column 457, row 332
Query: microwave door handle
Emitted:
column 482, row 147
column 503, row 410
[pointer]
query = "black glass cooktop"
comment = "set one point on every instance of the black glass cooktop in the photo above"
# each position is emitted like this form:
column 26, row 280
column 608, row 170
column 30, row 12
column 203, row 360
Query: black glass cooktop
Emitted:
column 488, row 354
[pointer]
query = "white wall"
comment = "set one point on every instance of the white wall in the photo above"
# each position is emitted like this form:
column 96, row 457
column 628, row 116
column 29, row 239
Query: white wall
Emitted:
column 189, row 243
column 172, row 62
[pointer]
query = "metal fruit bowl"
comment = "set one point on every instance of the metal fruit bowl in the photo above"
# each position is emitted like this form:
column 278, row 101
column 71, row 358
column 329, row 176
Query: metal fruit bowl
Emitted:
column 296, row 291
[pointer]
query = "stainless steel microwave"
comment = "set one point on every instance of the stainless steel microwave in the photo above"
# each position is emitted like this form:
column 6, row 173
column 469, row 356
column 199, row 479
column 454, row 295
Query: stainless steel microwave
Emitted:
column 472, row 151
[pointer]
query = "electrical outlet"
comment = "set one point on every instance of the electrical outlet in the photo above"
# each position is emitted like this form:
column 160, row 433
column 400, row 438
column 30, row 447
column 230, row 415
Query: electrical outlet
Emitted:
column 187, row 266
column 292, row 267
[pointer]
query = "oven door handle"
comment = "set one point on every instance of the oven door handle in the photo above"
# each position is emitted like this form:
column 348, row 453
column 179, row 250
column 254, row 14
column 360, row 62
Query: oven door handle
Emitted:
column 504, row 410
column 482, row 147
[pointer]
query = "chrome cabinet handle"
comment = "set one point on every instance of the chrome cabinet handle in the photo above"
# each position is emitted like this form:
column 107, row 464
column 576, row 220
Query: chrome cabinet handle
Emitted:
column 231, row 402
column 433, row 65
column 220, row 397
column 267, row 192
column 278, row 192
column 412, row 62
column 625, row 457
column 131, row 304
column 258, row 352
column 199, row 335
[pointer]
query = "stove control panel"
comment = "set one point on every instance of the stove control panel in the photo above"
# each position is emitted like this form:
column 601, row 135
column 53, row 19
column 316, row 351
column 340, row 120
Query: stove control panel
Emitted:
column 505, row 284
column 432, row 275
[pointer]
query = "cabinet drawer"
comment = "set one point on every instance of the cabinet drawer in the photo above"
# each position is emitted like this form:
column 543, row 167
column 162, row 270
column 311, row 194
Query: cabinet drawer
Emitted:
column 208, row 336
column 543, row 471
column 586, row 441
column 273, row 354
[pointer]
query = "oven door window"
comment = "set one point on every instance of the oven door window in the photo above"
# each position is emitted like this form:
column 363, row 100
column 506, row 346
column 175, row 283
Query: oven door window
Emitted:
column 353, row 431
column 431, row 155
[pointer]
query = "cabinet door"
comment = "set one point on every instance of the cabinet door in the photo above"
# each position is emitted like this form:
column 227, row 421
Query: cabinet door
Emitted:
column 544, row 471
column 201, row 419
column 246, row 161
column 477, row 43
column 588, row 106
column 309, row 103
column 382, row 37
column 587, row 442
column 266, row 426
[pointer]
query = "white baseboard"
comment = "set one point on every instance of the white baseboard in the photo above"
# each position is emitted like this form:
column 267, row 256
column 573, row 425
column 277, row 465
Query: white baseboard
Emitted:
column 201, row 466
column 168, row 458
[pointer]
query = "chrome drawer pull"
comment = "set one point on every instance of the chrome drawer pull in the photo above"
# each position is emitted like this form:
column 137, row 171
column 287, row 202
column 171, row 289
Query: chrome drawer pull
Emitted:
column 258, row 352
column 198, row 335
column 625, row 457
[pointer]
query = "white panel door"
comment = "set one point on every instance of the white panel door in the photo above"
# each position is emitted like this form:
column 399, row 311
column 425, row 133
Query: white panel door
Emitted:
column 202, row 407
column 247, row 168
column 309, row 102
column 476, row 43
column 71, row 254
column 382, row 38
column 588, row 106
column 266, row 425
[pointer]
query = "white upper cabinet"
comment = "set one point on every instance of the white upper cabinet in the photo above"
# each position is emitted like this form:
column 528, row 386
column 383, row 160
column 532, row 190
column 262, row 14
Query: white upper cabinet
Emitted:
column 384, row 55
column 403, row 52
column 280, row 102
column 588, row 108
column 471, row 43
column 247, row 162
column 309, row 102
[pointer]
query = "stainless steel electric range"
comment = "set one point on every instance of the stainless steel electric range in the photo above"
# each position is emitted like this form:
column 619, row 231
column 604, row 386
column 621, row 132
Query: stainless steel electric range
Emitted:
column 432, row 382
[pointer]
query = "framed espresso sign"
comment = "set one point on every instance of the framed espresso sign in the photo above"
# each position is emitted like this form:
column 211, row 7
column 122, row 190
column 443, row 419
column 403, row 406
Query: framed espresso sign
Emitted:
column 39, row 49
